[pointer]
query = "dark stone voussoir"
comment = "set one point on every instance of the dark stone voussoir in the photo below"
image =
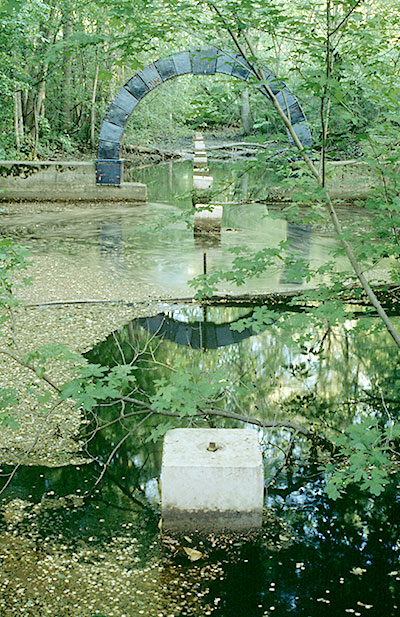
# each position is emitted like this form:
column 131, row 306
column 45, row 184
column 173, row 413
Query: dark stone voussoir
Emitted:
column 116, row 115
column 166, row 68
column 150, row 76
column 137, row 87
column 109, row 149
column 182, row 61
column 204, row 61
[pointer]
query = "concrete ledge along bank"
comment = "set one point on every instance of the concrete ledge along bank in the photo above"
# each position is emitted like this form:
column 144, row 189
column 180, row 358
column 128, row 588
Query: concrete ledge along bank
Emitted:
column 61, row 181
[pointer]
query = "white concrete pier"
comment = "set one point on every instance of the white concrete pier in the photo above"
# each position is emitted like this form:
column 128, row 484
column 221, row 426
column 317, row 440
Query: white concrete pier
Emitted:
column 200, row 161
column 199, row 145
column 211, row 480
column 205, row 221
column 202, row 183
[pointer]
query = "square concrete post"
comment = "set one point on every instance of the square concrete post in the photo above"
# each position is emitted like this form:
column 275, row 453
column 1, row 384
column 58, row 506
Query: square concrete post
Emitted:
column 202, row 183
column 199, row 161
column 211, row 480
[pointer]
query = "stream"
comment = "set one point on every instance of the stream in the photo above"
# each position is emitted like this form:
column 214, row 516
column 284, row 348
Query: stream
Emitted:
column 126, row 251
column 70, row 550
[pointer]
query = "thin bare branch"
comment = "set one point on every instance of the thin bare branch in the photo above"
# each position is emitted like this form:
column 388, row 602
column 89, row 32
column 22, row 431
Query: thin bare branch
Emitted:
column 346, row 17
column 29, row 450
column 117, row 447
column 21, row 362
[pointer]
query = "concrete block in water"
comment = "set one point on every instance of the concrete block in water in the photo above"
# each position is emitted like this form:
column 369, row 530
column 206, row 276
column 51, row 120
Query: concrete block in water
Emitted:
column 200, row 161
column 211, row 480
column 200, row 171
column 199, row 145
column 202, row 183
column 207, row 220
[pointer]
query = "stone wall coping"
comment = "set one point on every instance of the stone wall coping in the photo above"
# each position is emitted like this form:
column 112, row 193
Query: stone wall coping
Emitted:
column 8, row 163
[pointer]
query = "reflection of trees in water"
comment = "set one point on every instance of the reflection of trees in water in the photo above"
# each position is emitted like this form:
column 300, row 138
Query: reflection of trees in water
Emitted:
column 110, row 244
column 345, row 552
column 327, row 381
column 299, row 239
column 333, row 538
column 276, row 378
column 324, row 546
column 168, row 182
column 324, row 386
column 136, row 462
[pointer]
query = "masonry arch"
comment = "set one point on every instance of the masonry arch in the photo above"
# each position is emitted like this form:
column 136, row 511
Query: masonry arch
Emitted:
column 208, row 61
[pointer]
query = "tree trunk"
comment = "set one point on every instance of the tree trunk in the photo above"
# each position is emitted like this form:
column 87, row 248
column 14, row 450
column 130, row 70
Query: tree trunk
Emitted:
column 245, row 112
column 260, row 74
column 93, row 108
column 244, row 185
column 41, row 96
column 36, row 130
column 18, row 119
column 38, row 108
column 67, row 68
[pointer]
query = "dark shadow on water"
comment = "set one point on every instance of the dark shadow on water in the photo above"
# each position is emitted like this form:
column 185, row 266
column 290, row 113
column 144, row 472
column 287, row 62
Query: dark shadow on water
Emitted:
column 317, row 558
column 197, row 334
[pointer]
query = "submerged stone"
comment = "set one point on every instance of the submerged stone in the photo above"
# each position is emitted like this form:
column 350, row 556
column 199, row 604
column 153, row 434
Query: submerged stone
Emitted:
column 211, row 480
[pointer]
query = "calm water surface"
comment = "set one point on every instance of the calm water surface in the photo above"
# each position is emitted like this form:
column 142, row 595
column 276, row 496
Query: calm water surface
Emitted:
column 63, row 553
column 317, row 557
column 135, row 251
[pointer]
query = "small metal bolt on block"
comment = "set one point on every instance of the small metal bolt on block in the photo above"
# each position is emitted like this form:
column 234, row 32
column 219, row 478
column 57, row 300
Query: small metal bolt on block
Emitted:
column 212, row 446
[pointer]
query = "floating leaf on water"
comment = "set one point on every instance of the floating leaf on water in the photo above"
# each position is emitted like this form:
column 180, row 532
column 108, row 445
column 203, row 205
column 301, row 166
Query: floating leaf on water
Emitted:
column 358, row 571
column 192, row 553
column 364, row 605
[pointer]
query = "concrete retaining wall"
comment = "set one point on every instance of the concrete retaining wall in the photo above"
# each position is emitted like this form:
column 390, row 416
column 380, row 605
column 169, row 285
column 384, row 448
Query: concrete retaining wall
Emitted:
column 61, row 181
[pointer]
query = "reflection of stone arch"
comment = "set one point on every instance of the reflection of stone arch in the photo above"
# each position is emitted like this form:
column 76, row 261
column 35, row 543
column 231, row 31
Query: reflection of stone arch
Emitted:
column 197, row 334
column 198, row 62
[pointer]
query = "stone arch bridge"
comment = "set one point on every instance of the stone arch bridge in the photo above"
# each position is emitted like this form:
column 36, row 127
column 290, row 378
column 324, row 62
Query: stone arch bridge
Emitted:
column 208, row 61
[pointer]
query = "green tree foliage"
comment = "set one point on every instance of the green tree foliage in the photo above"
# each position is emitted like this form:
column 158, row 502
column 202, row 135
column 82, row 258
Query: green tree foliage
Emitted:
column 63, row 61
column 68, row 60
